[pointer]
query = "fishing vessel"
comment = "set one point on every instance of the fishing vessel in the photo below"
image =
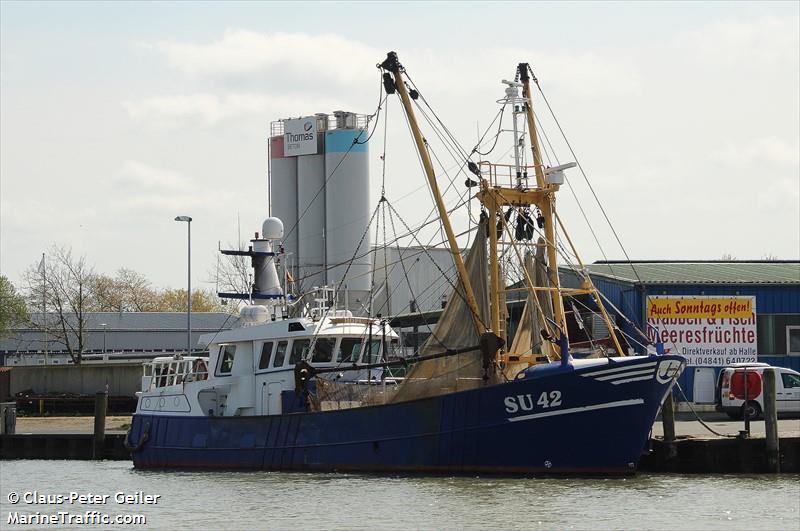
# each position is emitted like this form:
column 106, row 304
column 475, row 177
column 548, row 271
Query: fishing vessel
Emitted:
column 317, row 386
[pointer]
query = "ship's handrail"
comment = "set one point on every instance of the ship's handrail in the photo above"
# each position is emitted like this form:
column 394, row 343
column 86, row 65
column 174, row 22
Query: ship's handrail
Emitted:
column 504, row 174
column 327, row 122
column 176, row 371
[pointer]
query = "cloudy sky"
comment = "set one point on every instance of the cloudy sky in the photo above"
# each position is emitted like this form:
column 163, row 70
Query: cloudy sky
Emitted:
column 116, row 117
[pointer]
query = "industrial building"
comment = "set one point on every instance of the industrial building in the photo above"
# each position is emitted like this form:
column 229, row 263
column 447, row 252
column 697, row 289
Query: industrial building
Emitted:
column 412, row 279
column 113, row 336
column 764, row 295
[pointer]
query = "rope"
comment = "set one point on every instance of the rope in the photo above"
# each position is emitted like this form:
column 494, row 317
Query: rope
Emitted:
column 701, row 421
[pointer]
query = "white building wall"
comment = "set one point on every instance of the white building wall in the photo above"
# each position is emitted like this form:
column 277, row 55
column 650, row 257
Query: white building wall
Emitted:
column 425, row 283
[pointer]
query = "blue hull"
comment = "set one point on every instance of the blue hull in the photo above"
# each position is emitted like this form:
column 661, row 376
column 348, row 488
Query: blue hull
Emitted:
column 586, row 424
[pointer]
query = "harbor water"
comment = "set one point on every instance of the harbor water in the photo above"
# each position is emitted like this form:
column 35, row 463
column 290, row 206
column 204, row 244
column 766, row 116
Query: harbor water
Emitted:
column 275, row 500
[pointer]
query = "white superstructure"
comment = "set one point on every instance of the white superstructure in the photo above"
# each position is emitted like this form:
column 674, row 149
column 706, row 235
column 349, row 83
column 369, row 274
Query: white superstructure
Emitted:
column 250, row 370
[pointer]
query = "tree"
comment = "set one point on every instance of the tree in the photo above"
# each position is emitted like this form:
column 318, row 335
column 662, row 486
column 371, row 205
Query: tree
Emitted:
column 61, row 286
column 174, row 300
column 128, row 291
column 12, row 306
column 233, row 273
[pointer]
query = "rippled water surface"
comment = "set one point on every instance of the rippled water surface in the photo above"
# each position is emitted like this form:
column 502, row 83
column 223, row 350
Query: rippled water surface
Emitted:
column 274, row 500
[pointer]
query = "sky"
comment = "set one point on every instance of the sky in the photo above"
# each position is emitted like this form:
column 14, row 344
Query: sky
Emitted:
column 116, row 117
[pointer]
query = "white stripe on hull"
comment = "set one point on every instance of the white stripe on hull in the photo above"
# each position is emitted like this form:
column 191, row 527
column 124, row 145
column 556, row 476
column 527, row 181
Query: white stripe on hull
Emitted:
column 619, row 369
column 569, row 411
column 624, row 374
column 639, row 379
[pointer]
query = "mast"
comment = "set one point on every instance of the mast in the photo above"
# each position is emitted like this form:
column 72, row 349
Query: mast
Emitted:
column 547, row 207
column 392, row 64
column 547, row 204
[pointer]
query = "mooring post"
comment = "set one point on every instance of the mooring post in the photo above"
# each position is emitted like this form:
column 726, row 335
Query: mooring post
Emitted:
column 100, row 407
column 771, row 422
column 668, row 420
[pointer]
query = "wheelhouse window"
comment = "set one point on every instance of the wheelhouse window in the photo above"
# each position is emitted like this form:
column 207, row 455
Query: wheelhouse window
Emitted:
column 395, row 350
column 323, row 350
column 226, row 359
column 349, row 349
column 280, row 354
column 372, row 351
column 266, row 352
column 299, row 350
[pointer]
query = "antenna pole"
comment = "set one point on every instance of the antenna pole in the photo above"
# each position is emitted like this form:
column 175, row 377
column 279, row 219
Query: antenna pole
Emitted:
column 44, row 308
column 393, row 65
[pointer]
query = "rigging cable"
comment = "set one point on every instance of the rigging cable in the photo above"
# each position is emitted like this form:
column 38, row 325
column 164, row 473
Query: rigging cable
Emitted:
column 580, row 206
column 457, row 291
column 328, row 178
column 377, row 111
column 583, row 173
column 444, row 127
column 410, row 233
column 410, row 289
column 496, row 136
column 451, row 185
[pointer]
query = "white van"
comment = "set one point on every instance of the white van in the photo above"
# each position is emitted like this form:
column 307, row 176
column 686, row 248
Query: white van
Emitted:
column 731, row 387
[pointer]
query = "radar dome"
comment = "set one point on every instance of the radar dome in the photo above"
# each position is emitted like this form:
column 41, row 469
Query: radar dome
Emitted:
column 272, row 229
column 254, row 314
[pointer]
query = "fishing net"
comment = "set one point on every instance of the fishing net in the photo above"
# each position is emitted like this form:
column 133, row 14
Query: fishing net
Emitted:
column 538, row 307
column 455, row 329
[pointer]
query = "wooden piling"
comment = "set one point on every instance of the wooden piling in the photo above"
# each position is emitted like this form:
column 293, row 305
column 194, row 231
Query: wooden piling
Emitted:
column 668, row 420
column 771, row 422
column 746, row 408
column 100, row 408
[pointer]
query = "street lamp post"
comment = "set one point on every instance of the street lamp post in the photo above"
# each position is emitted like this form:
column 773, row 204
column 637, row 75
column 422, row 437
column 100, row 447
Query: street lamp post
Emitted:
column 188, row 221
column 104, row 336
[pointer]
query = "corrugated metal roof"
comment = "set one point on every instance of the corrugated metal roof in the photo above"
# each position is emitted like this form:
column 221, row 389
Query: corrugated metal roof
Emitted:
column 699, row 272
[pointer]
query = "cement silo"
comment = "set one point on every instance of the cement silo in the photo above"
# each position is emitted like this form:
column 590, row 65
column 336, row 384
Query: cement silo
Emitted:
column 347, row 203
column 320, row 189
column 311, row 226
column 283, row 192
